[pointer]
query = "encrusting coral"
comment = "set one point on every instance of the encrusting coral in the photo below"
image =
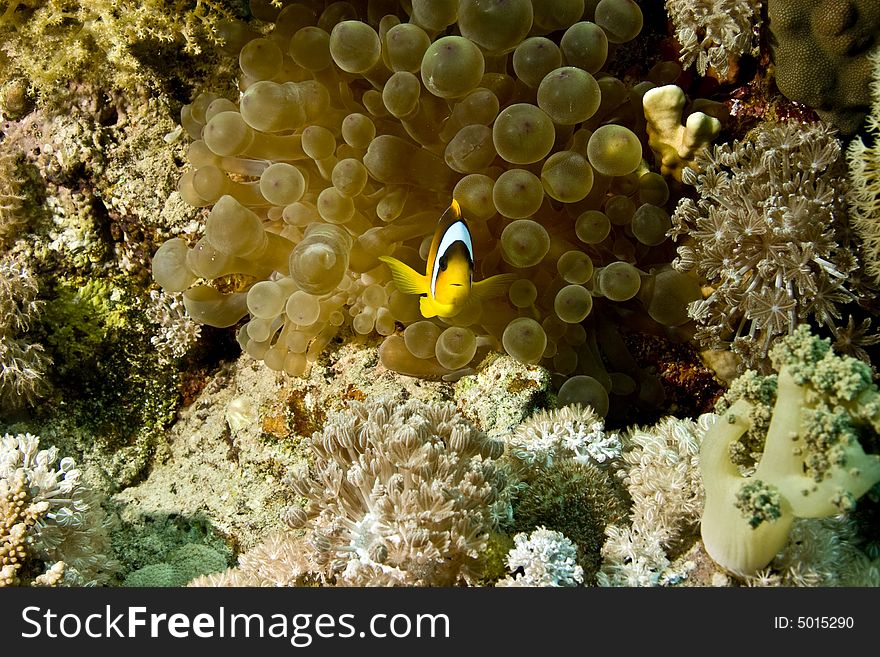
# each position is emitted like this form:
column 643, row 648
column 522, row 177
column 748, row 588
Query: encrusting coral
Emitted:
column 99, row 36
column 768, row 234
column 820, row 50
column 811, row 465
column 400, row 494
column 52, row 528
column 181, row 565
column 350, row 136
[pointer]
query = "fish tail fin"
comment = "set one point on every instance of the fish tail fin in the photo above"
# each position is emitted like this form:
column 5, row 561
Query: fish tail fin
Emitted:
column 494, row 286
column 407, row 279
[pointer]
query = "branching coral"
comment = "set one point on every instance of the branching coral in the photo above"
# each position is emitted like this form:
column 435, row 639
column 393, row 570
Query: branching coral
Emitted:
column 713, row 33
column 22, row 363
column 864, row 178
column 675, row 145
column 812, row 463
column 542, row 558
column 52, row 528
column 768, row 234
column 662, row 476
column 400, row 495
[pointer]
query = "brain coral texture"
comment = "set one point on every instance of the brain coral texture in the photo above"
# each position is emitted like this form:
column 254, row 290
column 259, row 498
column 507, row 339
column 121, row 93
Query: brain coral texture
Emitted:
column 820, row 49
column 353, row 132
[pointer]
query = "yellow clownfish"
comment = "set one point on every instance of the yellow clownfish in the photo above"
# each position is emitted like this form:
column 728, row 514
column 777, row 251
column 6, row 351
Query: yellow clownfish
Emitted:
column 448, row 284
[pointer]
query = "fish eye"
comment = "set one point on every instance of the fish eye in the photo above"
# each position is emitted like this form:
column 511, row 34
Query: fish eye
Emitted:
column 444, row 262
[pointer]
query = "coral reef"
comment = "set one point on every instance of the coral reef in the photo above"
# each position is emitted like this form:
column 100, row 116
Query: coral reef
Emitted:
column 675, row 145
column 280, row 154
column 661, row 472
column 105, row 38
column 715, row 33
column 812, row 464
column 347, row 140
column 53, row 529
column 864, row 178
column 542, row 558
column 400, row 494
column 792, row 254
column 820, row 50
column 180, row 567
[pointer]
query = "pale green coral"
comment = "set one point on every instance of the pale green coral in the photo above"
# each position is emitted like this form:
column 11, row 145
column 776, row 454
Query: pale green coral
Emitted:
column 180, row 566
column 812, row 465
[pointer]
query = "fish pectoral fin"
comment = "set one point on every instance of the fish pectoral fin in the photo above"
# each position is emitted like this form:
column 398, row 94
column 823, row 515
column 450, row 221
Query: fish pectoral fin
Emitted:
column 427, row 307
column 494, row 286
column 407, row 279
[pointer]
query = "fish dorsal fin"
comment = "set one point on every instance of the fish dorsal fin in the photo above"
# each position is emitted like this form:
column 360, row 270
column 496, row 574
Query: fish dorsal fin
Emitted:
column 406, row 279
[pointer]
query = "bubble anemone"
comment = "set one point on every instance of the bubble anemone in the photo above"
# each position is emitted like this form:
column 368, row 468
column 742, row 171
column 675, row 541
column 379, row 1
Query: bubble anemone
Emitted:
column 497, row 26
column 569, row 95
column 523, row 133
column 586, row 391
column 614, row 150
column 525, row 340
column 517, row 193
column 352, row 132
column 619, row 281
column 452, row 66
column 524, row 243
column 621, row 19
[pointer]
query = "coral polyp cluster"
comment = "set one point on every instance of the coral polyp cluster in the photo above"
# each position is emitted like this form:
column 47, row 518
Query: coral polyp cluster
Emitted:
column 774, row 259
column 352, row 133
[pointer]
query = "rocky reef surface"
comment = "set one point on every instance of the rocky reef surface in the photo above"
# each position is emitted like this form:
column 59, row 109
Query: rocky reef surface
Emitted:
column 208, row 376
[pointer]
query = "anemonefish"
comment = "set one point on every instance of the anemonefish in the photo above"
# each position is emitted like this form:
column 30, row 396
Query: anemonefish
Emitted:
column 448, row 283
